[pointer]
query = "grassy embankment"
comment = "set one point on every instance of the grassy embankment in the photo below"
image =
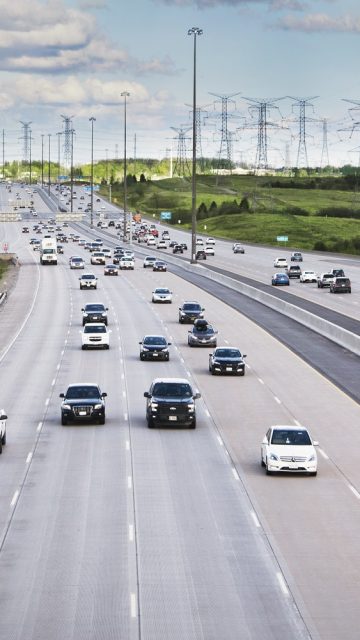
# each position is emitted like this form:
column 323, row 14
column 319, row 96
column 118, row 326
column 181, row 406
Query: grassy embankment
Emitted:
column 4, row 265
column 272, row 211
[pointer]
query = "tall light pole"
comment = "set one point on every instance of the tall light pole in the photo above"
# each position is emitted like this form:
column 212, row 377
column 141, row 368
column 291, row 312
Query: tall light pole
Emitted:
column 72, row 171
column 125, row 94
column 49, row 135
column 42, row 160
column 30, row 163
column 194, row 31
column 59, row 133
column 92, row 120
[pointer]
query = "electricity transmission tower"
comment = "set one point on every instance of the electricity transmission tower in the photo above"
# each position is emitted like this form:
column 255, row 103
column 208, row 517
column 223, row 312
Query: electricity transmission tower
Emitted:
column 182, row 166
column 262, row 108
column 67, row 139
column 324, row 152
column 226, row 137
column 302, row 104
column 199, row 112
column 26, row 139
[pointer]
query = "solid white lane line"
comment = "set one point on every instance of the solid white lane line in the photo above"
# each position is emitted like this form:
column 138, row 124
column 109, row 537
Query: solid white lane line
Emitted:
column 131, row 533
column 14, row 498
column 324, row 455
column 133, row 605
column 29, row 456
column 354, row 491
column 129, row 482
column 255, row 518
column 282, row 584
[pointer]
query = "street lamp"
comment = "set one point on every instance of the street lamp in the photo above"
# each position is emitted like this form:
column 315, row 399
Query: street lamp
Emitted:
column 42, row 160
column 49, row 135
column 72, row 131
column 194, row 31
column 92, row 120
column 125, row 94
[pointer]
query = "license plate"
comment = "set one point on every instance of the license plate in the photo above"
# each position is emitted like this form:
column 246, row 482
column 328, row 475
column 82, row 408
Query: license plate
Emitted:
column 172, row 418
column 155, row 355
column 228, row 368
column 82, row 413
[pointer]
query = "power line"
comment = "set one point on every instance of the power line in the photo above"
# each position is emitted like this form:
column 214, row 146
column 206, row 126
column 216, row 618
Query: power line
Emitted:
column 302, row 104
column 182, row 166
column 226, row 136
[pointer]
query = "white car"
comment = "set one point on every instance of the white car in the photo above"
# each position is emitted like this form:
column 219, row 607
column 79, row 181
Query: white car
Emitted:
column 210, row 241
column 308, row 276
column 161, row 244
column 88, row 281
column 281, row 262
column 161, row 294
column 95, row 335
column 199, row 242
column 288, row 448
column 107, row 252
column 209, row 250
column 129, row 254
column 149, row 261
column 151, row 242
column 126, row 263
column 98, row 257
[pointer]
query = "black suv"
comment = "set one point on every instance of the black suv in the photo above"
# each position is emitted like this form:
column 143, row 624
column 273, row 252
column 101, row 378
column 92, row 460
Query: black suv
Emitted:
column 190, row 311
column 83, row 402
column 340, row 285
column 154, row 348
column 171, row 402
column 94, row 312
column 227, row 360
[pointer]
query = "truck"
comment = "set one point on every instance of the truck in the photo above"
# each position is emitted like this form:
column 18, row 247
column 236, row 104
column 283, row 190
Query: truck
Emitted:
column 48, row 251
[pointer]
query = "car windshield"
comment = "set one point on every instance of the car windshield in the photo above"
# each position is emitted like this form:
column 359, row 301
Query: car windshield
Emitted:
column 151, row 340
column 172, row 390
column 227, row 353
column 88, row 276
column 290, row 436
column 94, row 307
column 82, row 392
column 98, row 328
column 204, row 330
column 162, row 291
column 192, row 307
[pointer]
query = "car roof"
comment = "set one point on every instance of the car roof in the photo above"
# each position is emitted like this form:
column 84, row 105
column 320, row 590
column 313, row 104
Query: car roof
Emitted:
column 179, row 380
column 154, row 335
column 290, row 427
column 83, row 384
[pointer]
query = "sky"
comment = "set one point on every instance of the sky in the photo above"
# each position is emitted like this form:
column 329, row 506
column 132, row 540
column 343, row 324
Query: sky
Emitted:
column 75, row 58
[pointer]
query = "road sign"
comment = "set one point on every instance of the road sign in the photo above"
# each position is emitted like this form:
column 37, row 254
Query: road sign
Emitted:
column 87, row 188
column 69, row 217
column 6, row 216
column 282, row 238
column 63, row 177
column 165, row 215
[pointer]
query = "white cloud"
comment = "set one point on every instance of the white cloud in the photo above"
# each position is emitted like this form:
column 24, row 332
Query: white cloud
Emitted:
column 320, row 22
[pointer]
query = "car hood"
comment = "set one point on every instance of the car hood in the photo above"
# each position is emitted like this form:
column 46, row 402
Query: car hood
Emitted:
column 227, row 359
column 154, row 347
column 169, row 400
column 292, row 451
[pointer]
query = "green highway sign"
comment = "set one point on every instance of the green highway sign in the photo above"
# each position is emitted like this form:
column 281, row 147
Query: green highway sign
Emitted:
column 165, row 215
column 282, row 238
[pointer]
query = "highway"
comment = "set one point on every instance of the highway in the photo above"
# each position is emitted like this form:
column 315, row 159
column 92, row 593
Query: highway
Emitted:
column 119, row 531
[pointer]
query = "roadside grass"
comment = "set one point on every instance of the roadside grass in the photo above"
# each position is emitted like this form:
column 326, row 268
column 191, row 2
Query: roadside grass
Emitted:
column 4, row 265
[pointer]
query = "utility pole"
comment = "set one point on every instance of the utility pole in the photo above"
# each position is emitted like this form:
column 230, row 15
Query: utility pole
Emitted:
column 30, row 158
column 67, row 138
column 92, row 120
column 226, row 138
column 262, row 108
column 42, row 160
column 3, row 154
column 181, row 167
column 302, row 104
column 324, row 152
column 72, row 170
column 49, row 174
column 125, row 94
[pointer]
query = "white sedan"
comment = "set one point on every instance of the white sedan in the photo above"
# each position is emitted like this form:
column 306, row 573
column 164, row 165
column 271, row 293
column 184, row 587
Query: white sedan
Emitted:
column 210, row 241
column 161, row 294
column 95, row 335
column 126, row 263
column 281, row 262
column 161, row 244
column 209, row 250
column 288, row 448
column 308, row 276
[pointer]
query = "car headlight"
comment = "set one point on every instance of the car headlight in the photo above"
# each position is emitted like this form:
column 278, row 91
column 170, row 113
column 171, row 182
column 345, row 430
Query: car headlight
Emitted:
column 154, row 405
column 272, row 456
column 191, row 407
column 98, row 406
column 66, row 406
column 312, row 458
column 145, row 349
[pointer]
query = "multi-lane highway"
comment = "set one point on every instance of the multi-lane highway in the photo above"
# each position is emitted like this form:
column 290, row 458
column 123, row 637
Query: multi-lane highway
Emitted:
column 118, row 531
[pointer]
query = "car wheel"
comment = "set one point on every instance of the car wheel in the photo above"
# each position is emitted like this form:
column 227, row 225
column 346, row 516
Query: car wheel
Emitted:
column 141, row 356
column 3, row 439
column 0, row 446
column 167, row 357
column 102, row 420
column 150, row 423
column 313, row 473
column 107, row 346
column 242, row 373
column 63, row 421
column 193, row 424
column 262, row 462
column 268, row 472
column 83, row 347
column 181, row 321
column 212, row 371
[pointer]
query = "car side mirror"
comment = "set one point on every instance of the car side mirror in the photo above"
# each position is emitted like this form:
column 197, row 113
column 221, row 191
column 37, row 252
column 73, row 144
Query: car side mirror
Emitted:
column 3, row 417
column 61, row 395
column 147, row 394
column 264, row 440
column 197, row 395
column 82, row 309
column 244, row 355
column 103, row 395
column 315, row 443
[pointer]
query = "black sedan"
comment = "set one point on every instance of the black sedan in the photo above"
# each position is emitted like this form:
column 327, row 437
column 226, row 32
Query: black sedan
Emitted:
column 83, row 402
column 111, row 270
column 154, row 348
column 177, row 248
column 190, row 311
column 227, row 360
column 159, row 265
column 202, row 335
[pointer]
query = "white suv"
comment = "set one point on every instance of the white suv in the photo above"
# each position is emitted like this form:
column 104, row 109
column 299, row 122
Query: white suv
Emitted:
column 281, row 262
